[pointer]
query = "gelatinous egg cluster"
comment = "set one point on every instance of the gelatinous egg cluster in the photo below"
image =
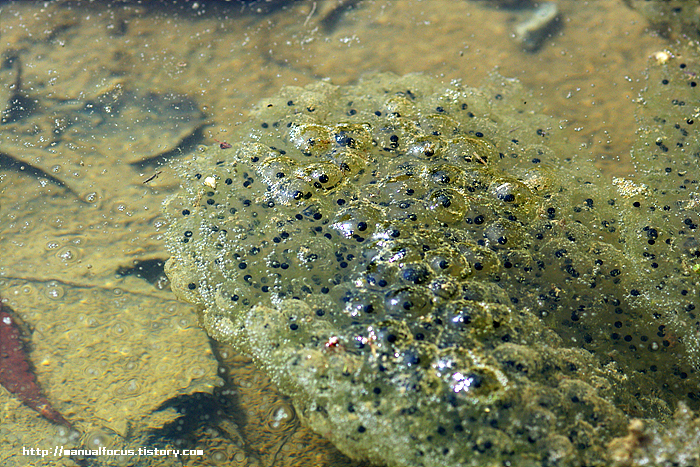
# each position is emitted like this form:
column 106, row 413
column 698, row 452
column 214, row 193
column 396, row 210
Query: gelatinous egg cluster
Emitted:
column 426, row 275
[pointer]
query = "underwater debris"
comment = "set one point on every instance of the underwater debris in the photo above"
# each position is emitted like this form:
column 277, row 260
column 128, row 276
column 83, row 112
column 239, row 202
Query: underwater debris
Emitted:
column 16, row 374
column 532, row 31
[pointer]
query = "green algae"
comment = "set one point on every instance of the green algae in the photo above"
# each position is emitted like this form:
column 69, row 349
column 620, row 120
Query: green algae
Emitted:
column 431, row 278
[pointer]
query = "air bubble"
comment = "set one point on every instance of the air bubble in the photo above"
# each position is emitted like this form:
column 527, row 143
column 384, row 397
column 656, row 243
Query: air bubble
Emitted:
column 280, row 417
column 67, row 254
column 54, row 292
column 96, row 439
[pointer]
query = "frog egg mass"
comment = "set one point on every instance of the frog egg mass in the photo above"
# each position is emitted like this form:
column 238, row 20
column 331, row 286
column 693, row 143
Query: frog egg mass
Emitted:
column 435, row 281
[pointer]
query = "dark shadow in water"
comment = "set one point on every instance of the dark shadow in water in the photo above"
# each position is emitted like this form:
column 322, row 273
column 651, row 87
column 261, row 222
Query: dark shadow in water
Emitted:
column 186, row 146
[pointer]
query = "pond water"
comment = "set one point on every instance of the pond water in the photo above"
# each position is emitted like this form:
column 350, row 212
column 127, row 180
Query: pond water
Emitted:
column 97, row 99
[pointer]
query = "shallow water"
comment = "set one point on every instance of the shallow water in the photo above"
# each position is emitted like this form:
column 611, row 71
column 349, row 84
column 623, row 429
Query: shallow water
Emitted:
column 98, row 96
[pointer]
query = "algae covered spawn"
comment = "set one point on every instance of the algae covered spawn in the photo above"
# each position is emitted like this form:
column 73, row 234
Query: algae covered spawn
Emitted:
column 432, row 279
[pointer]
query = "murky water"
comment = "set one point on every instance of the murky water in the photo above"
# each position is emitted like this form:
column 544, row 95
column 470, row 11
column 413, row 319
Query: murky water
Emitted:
column 97, row 97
